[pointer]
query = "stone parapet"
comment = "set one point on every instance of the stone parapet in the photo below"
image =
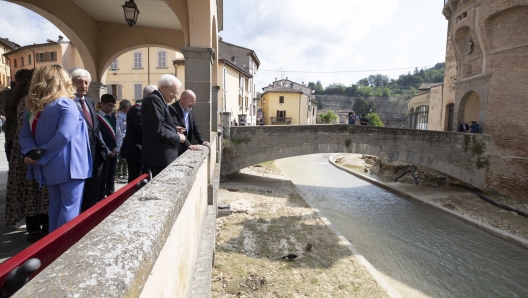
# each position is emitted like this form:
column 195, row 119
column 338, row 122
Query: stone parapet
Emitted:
column 451, row 153
column 147, row 247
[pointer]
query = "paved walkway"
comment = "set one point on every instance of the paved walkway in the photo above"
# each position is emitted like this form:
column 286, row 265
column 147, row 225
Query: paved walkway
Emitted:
column 13, row 239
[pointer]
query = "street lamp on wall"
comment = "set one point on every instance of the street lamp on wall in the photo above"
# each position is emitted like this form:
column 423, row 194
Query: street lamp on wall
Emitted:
column 131, row 12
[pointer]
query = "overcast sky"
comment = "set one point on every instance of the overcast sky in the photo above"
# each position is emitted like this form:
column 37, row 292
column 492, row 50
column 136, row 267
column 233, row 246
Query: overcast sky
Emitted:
column 343, row 38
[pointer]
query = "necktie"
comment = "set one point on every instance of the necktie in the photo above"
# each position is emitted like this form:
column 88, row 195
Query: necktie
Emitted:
column 87, row 115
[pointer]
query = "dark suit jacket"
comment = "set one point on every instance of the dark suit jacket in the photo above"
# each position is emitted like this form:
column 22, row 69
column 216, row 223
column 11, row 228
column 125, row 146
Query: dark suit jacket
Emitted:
column 97, row 146
column 463, row 127
column 160, row 139
column 132, row 144
column 176, row 112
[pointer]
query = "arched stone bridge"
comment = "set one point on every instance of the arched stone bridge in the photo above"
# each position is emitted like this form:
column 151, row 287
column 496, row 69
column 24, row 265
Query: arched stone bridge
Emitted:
column 455, row 154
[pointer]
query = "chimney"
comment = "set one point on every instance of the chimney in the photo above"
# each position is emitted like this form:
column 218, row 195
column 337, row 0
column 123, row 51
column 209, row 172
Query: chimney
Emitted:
column 233, row 59
column 286, row 78
column 60, row 38
column 275, row 79
column 220, row 38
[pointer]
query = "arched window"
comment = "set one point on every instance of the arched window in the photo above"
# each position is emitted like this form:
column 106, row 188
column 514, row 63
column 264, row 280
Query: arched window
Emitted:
column 421, row 116
column 410, row 119
column 450, row 117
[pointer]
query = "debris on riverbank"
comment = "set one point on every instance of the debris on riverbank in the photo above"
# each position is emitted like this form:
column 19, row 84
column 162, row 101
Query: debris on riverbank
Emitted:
column 271, row 220
column 456, row 200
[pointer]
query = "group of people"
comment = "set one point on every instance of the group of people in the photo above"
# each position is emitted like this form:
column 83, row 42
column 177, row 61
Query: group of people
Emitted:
column 352, row 118
column 63, row 153
column 473, row 128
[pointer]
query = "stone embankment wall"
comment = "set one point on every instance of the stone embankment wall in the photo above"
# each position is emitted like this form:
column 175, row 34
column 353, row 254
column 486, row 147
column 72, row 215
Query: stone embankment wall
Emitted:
column 460, row 155
column 388, row 107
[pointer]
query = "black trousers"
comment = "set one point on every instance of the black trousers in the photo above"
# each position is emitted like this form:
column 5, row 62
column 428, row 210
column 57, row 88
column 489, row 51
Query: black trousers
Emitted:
column 33, row 223
column 155, row 170
column 8, row 148
column 91, row 185
column 107, row 186
column 135, row 169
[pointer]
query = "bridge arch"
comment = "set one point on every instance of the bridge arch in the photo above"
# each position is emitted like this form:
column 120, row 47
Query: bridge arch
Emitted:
column 447, row 152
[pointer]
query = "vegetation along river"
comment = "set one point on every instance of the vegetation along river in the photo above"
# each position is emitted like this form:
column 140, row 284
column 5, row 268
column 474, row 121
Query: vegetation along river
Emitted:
column 410, row 244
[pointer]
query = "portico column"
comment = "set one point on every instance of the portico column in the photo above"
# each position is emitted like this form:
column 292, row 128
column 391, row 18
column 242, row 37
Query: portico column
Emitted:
column 198, row 74
column 214, row 108
column 95, row 90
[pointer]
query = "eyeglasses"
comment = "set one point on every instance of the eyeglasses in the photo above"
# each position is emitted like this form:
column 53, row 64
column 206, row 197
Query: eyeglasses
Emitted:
column 172, row 91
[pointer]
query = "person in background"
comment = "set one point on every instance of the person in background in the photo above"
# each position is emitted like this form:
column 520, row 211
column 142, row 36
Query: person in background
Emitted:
column 234, row 123
column 132, row 144
column 81, row 81
column 10, row 110
column 183, row 117
column 474, row 127
column 363, row 120
column 261, row 121
column 351, row 118
column 161, row 141
column 55, row 144
column 113, row 139
column 243, row 120
column 463, row 127
column 122, row 167
column 24, row 199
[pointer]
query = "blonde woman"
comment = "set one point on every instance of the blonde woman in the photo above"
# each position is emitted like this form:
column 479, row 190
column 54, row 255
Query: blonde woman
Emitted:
column 54, row 142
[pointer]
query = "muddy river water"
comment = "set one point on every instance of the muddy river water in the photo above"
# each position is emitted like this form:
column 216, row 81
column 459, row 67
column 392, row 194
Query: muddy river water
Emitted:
column 412, row 245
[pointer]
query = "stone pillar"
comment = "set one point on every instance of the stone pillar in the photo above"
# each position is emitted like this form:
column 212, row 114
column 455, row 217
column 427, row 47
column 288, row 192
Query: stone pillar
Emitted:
column 226, row 124
column 214, row 108
column 198, row 74
column 95, row 90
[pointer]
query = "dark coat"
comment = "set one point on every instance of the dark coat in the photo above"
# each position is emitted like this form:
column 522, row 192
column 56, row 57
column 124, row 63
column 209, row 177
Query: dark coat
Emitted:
column 132, row 144
column 97, row 146
column 176, row 112
column 160, row 142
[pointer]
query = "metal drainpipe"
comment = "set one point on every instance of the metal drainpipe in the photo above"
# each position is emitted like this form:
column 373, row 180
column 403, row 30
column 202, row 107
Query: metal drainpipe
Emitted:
column 148, row 64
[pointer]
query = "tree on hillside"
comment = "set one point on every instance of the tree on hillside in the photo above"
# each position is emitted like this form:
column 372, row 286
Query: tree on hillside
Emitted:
column 311, row 85
column 319, row 87
column 378, row 80
column 319, row 104
column 327, row 117
column 363, row 107
column 374, row 120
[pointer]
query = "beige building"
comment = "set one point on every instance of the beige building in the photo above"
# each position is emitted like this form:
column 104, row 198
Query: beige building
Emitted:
column 5, row 72
column 287, row 102
column 128, row 74
column 52, row 52
column 424, row 111
column 238, row 67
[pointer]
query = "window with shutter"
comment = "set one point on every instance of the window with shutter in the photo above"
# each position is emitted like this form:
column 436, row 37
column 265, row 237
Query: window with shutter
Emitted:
column 119, row 87
column 53, row 56
column 113, row 65
column 21, row 61
column 137, row 91
column 137, row 60
column 162, row 58
column 109, row 89
column 15, row 63
column 29, row 59
column 46, row 56
column 281, row 99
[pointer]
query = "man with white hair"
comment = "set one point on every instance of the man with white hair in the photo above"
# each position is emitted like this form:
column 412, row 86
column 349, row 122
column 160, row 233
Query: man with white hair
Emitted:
column 81, row 81
column 132, row 144
column 160, row 138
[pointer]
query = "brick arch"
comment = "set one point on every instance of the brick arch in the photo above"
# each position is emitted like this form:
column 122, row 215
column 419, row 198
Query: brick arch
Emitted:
column 447, row 152
column 507, row 28
column 67, row 20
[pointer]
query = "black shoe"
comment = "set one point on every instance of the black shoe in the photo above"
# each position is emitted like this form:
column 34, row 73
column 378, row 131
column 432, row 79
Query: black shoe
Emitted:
column 34, row 236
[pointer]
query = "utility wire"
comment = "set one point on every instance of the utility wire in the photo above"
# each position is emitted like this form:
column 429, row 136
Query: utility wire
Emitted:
column 343, row 71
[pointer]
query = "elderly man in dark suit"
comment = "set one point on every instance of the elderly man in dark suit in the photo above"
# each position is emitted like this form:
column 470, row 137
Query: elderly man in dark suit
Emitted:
column 81, row 80
column 160, row 139
column 182, row 116
column 133, row 142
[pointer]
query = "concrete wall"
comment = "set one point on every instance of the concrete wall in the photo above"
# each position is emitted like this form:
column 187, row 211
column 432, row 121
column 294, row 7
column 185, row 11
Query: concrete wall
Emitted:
column 447, row 152
column 148, row 246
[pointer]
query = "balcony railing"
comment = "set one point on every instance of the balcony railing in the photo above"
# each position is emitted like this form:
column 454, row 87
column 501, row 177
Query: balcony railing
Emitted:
column 280, row 120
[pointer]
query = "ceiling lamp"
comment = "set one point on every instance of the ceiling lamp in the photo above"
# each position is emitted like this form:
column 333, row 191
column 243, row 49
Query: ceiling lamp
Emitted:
column 131, row 12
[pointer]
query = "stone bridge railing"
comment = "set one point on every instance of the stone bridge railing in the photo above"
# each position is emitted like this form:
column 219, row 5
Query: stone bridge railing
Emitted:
column 460, row 155
column 159, row 243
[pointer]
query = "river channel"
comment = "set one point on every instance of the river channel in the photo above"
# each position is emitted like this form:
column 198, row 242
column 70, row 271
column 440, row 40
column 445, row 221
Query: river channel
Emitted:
column 407, row 242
